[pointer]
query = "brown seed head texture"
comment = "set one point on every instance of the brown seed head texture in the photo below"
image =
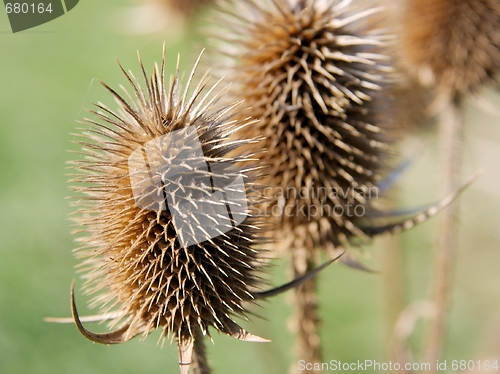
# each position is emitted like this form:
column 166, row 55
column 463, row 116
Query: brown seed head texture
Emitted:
column 454, row 44
column 312, row 72
column 186, row 7
column 409, row 99
column 133, row 251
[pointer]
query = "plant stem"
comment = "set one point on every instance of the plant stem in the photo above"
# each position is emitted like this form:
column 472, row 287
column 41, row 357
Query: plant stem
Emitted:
column 305, row 319
column 199, row 364
column 451, row 133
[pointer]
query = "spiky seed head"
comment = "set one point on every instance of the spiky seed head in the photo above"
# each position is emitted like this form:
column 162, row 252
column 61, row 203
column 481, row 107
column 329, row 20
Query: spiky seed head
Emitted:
column 454, row 44
column 312, row 71
column 172, row 225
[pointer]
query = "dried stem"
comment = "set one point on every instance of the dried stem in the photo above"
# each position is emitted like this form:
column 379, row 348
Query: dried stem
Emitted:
column 305, row 318
column 451, row 123
column 199, row 364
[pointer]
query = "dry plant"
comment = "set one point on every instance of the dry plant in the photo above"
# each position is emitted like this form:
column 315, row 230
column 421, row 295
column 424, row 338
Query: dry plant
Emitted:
column 311, row 73
column 410, row 101
column 452, row 46
column 172, row 232
column 319, row 94
column 316, row 76
column 136, row 249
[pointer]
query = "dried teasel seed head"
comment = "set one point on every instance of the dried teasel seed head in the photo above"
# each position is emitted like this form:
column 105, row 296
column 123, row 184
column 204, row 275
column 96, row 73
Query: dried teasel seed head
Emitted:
column 454, row 44
column 313, row 73
column 172, row 225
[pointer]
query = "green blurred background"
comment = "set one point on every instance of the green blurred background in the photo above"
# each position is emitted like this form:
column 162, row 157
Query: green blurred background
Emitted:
column 47, row 79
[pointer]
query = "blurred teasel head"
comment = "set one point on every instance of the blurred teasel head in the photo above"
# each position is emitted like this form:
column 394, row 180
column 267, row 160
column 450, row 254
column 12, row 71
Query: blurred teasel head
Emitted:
column 453, row 44
column 170, row 225
column 186, row 7
column 313, row 72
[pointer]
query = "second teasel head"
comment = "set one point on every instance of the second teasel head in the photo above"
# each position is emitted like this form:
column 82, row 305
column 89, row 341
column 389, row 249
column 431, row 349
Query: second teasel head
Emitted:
column 313, row 73
column 453, row 44
column 170, row 227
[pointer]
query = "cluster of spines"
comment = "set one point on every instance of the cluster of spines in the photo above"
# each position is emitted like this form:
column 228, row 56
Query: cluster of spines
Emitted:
column 133, row 252
column 313, row 74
